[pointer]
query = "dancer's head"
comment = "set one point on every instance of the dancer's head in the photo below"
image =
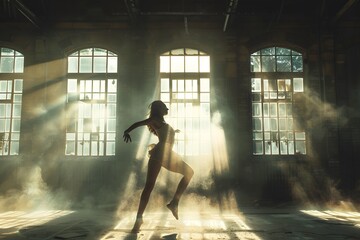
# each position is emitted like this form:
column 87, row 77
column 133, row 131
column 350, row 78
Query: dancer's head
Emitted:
column 158, row 109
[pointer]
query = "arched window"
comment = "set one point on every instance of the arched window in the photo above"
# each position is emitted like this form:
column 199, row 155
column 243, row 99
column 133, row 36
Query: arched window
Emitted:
column 11, row 88
column 277, row 80
column 91, row 103
column 185, row 88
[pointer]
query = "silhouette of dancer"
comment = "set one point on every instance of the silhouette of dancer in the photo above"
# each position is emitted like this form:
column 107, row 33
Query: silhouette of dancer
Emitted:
column 161, row 155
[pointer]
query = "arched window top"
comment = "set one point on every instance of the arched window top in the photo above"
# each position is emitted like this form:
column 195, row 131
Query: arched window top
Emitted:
column 11, row 61
column 93, row 52
column 276, row 59
column 184, row 60
column 184, row 51
column 92, row 60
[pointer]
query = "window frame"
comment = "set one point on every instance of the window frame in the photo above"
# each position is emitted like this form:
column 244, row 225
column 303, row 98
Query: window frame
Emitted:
column 92, row 76
column 273, row 75
column 182, row 140
column 13, row 75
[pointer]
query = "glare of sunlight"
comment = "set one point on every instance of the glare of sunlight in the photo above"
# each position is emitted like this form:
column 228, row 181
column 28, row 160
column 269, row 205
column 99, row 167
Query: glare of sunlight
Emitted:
column 20, row 219
column 352, row 218
column 195, row 226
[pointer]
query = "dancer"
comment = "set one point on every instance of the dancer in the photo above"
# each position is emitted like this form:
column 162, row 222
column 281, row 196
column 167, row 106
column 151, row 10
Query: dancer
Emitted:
column 161, row 155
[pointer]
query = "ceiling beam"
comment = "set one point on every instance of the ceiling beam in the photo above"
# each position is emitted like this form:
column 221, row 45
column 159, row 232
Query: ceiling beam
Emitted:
column 132, row 10
column 27, row 13
column 278, row 15
column 231, row 9
column 344, row 9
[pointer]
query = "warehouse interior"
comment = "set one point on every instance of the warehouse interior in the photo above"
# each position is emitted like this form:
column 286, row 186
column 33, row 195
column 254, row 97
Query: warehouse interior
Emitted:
column 265, row 95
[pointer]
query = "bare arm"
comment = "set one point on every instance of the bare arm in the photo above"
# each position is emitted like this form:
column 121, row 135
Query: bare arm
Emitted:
column 126, row 135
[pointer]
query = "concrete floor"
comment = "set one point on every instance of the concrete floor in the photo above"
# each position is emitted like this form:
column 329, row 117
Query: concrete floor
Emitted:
column 250, row 223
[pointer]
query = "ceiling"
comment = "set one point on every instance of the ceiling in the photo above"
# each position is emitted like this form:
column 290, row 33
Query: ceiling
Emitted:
column 46, row 13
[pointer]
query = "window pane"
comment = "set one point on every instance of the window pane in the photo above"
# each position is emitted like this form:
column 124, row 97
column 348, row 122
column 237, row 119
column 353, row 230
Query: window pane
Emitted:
column 7, row 52
column 18, row 85
column 177, row 64
column 100, row 64
column 86, row 52
column 283, row 147
column 275, row 147
column 112, row 64
column 289, row 109
column 204, row 85
column 179, row 51
column 266, row 109
column 19, row 64
column 282, row 124
column 300, row 136
column 283, row 63
column 273, row 124
column 204, row 97
column 72, row 86
column 297, row 64
column 283, row 51
column 14, row 148
column 112, row 85
column 291, row 147
column 268, row 51
column 257, row 125
column 110, row 148
column 164, row 64
column 204, row 63
column 191, row 64
column 85, row 64
column 256, row 84
column 15, row 125
column 256, row 97
column 17, row 110
column 165, row 85
column 99, row 52
column 300, row 147
column 255, row 64
column 7, row 65
column 266, row 124
column 298, row 85
column 256, row 110
column 72, row 64
column 282, row 110
column 3, row 86
column 189, row 51
column 273, row 109
column 258, row 136
column 268, row 63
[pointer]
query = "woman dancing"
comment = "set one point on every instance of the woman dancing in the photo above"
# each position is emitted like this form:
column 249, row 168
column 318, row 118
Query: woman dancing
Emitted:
column 161, row 155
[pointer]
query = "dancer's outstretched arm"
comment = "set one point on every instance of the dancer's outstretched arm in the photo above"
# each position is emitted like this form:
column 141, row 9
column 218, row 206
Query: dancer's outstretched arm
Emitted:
column 126, row 135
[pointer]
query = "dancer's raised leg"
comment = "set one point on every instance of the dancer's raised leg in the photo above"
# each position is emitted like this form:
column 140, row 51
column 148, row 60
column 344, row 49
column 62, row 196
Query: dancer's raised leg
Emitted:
column 183, row 168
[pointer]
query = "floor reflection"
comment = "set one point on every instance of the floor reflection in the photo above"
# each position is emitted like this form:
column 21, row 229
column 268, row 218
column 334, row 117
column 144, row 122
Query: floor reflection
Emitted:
column 338, row 217
column 195, row 226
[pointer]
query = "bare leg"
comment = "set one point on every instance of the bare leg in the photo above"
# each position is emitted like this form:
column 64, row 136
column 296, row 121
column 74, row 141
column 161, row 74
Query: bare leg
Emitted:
column 153, row 171
column 179, row 166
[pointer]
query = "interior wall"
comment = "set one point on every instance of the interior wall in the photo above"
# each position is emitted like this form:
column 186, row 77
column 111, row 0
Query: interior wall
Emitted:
column 102, row 181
